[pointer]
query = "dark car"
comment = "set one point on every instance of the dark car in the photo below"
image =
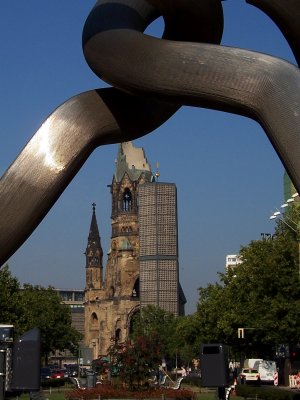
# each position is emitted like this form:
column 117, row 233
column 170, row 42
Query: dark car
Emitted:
column 72, row 369
column 66, row 372
column 57, row 374
column 46, row 373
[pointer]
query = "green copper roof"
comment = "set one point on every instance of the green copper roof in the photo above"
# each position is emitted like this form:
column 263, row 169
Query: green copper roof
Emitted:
column 132, row 160
column 125, row 245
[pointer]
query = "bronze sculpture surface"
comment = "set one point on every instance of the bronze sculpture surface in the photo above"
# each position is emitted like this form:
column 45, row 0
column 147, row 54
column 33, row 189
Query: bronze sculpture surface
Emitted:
column 152, row 79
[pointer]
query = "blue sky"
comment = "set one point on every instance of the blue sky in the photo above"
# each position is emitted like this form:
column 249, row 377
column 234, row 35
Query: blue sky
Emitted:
column 229, row 178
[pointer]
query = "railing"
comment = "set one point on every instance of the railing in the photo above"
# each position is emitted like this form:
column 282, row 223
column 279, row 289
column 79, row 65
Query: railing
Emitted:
column 294, row 381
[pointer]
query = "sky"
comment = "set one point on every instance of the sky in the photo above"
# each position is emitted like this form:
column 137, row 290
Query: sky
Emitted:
column 229, row 178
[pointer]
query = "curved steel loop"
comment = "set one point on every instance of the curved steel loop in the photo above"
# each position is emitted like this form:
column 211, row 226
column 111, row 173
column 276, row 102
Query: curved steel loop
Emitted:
column 259, row 86
column 286, row 15
column 50, row 160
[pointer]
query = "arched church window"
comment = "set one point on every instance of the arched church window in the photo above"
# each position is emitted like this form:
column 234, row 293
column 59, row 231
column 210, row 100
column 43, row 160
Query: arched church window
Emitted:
column 136, row 289
column 131, row 318
column 118, row 335
column 111, row 291
column 94, row 318
column 127, row 200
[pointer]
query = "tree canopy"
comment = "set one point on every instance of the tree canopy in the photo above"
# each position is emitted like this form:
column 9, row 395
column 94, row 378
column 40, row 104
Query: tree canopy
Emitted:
column 261, row 295
column 153, row 321
column 36, row 306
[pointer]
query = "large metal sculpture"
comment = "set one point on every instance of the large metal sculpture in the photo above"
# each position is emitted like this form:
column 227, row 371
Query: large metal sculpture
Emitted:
column 152, row 78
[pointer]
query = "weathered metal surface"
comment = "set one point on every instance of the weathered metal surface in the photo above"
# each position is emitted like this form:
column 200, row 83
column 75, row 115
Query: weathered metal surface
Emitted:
column 161, row 75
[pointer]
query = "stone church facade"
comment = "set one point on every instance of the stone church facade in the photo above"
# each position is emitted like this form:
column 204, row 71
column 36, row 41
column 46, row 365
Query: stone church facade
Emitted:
column 112, row 296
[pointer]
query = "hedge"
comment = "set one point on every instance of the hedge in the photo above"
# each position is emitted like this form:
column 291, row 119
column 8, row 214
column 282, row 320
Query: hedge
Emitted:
column 53, row 382
column 266, row 393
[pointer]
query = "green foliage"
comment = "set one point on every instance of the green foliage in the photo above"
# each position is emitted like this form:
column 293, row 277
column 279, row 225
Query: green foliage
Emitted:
column 42, row 308
column 137, row 360
column 9, row 291
column 262, row 295
column 47, row 383
column 266, row 393
column 35, row 306
column 152, row 321
column 187, row 338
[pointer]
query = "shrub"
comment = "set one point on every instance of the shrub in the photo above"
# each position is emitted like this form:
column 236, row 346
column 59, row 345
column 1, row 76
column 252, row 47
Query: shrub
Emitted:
column 53, row 382
column 111, row 392
column 136, row 360
column 190, row 380
column 266, row 393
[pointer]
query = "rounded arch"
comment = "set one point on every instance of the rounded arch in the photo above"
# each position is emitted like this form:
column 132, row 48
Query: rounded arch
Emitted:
column 127, row 200
column 118, row 335
column 111, row 291
column 134, row 311
column 136, row 289
column 94, row 319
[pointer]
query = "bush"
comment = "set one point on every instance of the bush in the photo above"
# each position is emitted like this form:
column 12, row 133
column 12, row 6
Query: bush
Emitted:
column 266, row 393
column 190, row 380
column 53, row 382
column 111, row 392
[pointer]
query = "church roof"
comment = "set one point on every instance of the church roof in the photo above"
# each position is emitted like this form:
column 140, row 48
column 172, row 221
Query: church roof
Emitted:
column 132, row 160
column 94, row 231
column 94, row 241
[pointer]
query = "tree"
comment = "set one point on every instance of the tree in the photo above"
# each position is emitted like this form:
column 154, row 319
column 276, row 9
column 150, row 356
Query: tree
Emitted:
column 42, row 308
column 187, row 338
column 153, row 320
column 137, row 360
column 35, row 306
column 268, row 279
column 9, row 290
column 261, row 294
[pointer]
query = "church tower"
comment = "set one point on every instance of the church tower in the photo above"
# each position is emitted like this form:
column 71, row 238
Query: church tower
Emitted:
column 122, row 272
column 94, row 256
column 110, row 305
column 142, row 263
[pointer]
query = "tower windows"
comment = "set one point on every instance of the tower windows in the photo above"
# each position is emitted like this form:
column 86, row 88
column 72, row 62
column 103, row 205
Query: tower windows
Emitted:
column 136, row 289
column 94, row 260
column 118, row 335
column 94, row 319
column 127, row 200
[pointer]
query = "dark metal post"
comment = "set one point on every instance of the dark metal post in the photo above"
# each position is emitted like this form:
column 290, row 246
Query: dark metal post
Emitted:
column 2, row 373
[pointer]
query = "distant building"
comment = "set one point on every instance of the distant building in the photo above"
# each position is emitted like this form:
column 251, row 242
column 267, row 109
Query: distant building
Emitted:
column 232, row 260
column 73, row 298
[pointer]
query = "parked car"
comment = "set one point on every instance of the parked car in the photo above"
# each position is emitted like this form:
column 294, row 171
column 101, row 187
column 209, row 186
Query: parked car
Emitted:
column 249, row 375
column 46, row 373
column 66, row 372
column 57, row 374
column 72, row 369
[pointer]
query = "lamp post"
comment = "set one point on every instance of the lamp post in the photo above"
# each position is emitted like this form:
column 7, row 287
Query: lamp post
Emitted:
column 290, row 223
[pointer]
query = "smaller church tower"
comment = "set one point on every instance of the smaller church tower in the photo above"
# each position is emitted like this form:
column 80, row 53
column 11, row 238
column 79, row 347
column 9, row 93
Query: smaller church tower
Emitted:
column 94, row 256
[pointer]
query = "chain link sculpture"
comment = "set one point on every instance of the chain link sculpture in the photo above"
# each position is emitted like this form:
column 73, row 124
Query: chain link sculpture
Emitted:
column 151, row 78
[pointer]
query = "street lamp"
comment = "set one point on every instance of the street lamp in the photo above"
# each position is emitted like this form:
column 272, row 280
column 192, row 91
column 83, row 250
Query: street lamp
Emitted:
column 294, row 227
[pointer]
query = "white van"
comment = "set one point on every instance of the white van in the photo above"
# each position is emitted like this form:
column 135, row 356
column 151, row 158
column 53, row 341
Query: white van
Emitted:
column 267, row 370
column 252, row 362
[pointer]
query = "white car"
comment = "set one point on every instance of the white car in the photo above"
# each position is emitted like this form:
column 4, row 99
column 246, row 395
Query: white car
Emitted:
column 249, row 375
